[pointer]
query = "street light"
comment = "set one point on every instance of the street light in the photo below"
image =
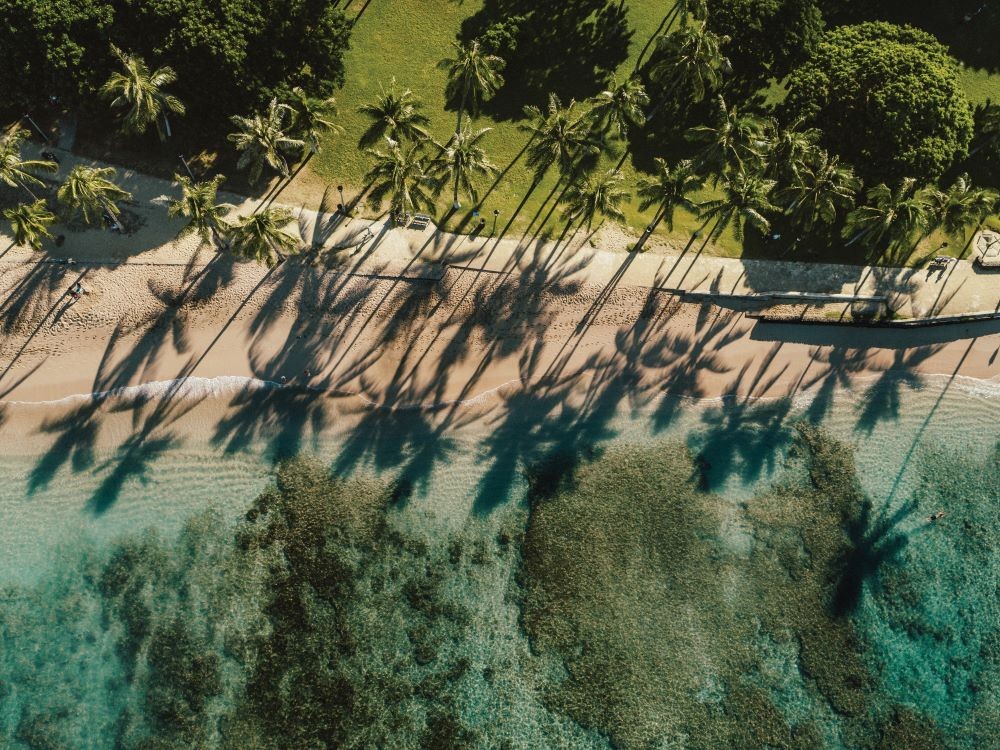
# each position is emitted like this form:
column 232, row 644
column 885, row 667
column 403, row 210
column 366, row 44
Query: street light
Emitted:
column 40, row 131
column 496, row 215
column 186, row 167
column 340, row 189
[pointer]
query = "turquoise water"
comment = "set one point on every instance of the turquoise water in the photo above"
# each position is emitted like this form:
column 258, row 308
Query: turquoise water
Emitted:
column 919, row 599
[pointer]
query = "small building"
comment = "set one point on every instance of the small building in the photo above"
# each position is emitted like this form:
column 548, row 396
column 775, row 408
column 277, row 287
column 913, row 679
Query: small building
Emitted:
column 986, row 249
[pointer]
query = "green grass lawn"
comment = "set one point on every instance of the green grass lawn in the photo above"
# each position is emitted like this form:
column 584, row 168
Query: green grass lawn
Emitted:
column 405, row 39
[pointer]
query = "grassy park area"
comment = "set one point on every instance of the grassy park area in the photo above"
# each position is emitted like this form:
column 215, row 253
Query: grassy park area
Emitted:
column 405, row 40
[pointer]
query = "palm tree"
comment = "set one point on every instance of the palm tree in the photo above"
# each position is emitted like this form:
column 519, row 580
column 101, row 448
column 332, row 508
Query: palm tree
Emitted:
column 197, row 205
column 30, row 223
column 668, row 190
column 262, row 237
column 262, row 140
column 821, row 188
column 987, row 120
column 892, row 214
column 312, row 118
column 620, row 106
column 18, row 172
column 596, row 197
column 401, row 175
column 464, row 160
column 394, row 116
column 140, row 93
column 682, row 10
column 734, row 140
column 745, row 202
column 786, row 150
column 90, row 191
column 473, row 76
column 690, row 59
column 959, row 208
column 558, row 136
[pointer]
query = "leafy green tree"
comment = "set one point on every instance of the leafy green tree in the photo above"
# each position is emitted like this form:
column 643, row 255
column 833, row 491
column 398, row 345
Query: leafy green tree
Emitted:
column 30, row 223
column 312, row 118
column 394, row 116
column 140, row 93
column 464, row 161
column 16, row 171
column 595, row 197
column 559, row 135
column 735, row 139
column 668, row 189
column 52, row 48
column 402, row 176
column 262, row 237
column 820, row 189
column 890, row 215
column 959, row 208
column 887, row 98
column 768, row 38
column 474, row 75
column 198, row 205
column 689, row 60
column 620, row 106
column 262, row 139
column 90, row 191
column 745, row 203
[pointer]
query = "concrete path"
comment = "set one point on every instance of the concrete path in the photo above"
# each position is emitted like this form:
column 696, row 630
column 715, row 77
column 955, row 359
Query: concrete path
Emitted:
column 960, row 288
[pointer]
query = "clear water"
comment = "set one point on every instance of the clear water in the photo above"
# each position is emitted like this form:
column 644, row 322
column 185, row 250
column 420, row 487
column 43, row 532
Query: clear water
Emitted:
column 930, row 629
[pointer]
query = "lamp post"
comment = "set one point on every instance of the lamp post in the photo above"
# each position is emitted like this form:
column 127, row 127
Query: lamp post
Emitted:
column 340, row 189
column 35, row 124
column 186, row 167
column 496, row 215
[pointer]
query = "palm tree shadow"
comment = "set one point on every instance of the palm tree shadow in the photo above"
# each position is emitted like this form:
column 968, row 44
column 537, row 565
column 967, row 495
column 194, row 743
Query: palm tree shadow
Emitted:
column 882, row 398
column 873, row 543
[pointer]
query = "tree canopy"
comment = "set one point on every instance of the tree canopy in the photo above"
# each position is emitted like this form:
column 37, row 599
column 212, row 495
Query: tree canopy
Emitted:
column 229, row 55
column 767, row 38
column 887, row 99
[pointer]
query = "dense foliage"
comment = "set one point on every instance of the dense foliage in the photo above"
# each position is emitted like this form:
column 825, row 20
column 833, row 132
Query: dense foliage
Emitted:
column 229, row 55
column 887, row 98
column 766, row 37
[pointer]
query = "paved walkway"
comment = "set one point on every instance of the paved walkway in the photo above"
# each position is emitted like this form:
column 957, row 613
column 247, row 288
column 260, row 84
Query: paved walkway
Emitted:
column 960, row 288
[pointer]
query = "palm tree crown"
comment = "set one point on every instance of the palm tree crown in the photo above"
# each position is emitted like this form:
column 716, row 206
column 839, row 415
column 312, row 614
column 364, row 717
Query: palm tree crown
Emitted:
column 394, row 116
column 18, row 172
column 690, row 58
column 596, row 197
column 960, row 207
column 140, row 92
column 745, row 202
column 401, row 175
column 620, row 106
column 262, row 237
column 312, row 118
column 464, row 160
column 786, row 150
column 473, row 77
column 262, row 140
column 558, row 136
column 197, row 205
column 820, row 189
column 89, row 191
column 30, row 222
column 732, row 141
column 669, row 188
column 891, row 214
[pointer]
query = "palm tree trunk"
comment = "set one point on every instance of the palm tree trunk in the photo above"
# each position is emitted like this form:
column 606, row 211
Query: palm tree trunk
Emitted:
column 461, row 106
column 166, row 125
column 26, row 189
column 112, row 212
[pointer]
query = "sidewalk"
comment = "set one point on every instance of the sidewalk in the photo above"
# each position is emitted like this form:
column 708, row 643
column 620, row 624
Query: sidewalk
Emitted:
column 912, row 293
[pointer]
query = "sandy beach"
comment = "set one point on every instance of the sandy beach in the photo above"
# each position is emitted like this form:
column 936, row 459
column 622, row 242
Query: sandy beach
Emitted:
column 433, row 321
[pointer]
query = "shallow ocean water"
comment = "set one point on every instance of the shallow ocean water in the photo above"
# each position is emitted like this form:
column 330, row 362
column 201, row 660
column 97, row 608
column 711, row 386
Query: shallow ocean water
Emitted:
column 929, row 618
